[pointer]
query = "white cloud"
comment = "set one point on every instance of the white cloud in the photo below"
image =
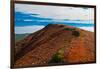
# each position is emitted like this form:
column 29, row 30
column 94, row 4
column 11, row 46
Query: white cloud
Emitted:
column 63, row 21
column 56, row 12
column 27, row 29
column 88, row 28
column 75, row 21
column 28, row 20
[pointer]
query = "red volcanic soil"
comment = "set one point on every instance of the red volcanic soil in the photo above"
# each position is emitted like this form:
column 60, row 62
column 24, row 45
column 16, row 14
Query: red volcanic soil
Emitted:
column 38, row 48
column 81, row 49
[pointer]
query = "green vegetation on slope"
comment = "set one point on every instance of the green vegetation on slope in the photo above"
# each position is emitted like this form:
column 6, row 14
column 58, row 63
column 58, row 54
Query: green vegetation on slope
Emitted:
column 19, row 36
column 58, row 57
column 76, row 33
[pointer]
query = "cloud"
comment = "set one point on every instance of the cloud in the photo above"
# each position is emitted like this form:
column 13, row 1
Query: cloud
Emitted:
column 88, row 28
column 27, row 29
column 31, row 18
column 22, row 19
column 57, row 12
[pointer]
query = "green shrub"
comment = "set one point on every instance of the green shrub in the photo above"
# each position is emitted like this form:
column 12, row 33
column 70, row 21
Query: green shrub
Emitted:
column 76, row 33
column 71, row 29
column 57, row 58
column 67, row 29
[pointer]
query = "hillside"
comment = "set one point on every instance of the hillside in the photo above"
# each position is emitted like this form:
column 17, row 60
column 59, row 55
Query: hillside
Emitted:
column 55, row 44
column 20, row 36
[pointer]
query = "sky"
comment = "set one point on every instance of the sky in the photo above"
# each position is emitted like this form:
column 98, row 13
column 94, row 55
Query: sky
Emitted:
column 30, row 18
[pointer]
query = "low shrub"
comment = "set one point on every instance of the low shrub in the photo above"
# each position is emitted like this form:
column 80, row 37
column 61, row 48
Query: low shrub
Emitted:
column 76, row 33
column 57, row 58
column 69, row 29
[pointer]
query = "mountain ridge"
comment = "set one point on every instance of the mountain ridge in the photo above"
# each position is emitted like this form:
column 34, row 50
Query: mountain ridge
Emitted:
column 39, row 47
